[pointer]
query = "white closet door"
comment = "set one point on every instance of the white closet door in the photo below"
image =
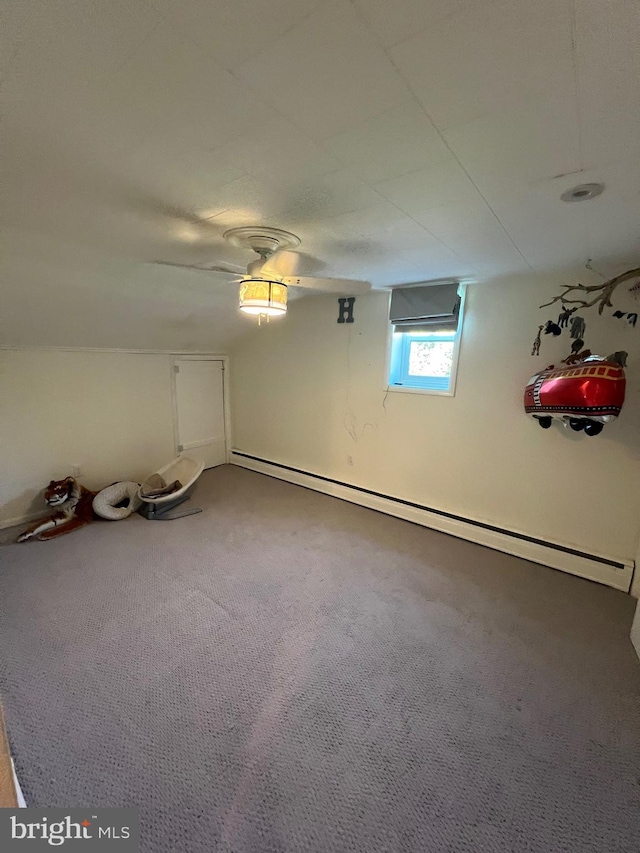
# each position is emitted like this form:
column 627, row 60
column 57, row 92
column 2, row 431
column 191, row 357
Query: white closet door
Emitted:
column 200, row 422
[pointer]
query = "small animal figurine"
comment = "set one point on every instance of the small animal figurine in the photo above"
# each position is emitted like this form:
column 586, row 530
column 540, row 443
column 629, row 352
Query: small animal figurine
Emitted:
column 564, row 316
column 576, row 357
column 578, row 327
column 619, row 357
column 632, row 318
column 552, row 329
column 73, row 510
column 535, row 349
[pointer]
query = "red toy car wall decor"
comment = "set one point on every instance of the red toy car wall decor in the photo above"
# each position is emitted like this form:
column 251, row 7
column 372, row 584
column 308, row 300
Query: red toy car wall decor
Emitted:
column 586, row 395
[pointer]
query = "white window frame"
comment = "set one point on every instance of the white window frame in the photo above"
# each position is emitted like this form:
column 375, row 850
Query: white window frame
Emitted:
column 406, row 389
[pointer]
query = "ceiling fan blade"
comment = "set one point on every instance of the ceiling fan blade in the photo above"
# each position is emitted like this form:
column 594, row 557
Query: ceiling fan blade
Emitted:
column 344, row 286
column 229, row 270
column 282, row 264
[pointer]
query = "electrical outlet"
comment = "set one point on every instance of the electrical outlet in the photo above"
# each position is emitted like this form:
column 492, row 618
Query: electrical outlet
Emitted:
column 76, row 471
column 349, row 460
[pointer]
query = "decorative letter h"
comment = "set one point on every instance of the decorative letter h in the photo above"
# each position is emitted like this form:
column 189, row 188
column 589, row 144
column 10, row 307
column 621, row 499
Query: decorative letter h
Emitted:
column 346, row 309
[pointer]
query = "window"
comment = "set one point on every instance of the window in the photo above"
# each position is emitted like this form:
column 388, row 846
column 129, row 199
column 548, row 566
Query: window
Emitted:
column 422, row 360
column 426, row 324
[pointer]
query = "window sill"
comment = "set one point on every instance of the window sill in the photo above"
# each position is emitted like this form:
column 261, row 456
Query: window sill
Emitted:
column 406, row 389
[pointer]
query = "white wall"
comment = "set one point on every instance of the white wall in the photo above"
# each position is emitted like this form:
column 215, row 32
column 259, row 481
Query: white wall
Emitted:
column 56, row 293
column 110, row 413
column 308, row 392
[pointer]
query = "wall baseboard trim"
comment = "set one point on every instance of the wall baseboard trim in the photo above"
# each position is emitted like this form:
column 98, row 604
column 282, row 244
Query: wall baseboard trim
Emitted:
column 608, row 571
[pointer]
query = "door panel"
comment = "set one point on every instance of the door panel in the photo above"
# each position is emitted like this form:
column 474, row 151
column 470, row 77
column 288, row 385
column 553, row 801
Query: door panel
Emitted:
column 199, row 394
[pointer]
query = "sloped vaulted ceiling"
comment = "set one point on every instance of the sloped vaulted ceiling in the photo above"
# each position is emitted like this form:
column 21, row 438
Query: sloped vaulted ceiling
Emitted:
column 401, row 141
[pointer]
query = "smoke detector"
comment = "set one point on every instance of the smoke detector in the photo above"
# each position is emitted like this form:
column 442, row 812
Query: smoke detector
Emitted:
column 583, row 192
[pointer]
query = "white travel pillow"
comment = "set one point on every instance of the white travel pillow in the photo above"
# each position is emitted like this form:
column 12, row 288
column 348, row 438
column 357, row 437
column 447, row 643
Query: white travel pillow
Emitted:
column 104, row 503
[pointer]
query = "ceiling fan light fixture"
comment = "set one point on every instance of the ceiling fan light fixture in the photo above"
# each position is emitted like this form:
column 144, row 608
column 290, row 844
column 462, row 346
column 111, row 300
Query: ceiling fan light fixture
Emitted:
column 263, row 298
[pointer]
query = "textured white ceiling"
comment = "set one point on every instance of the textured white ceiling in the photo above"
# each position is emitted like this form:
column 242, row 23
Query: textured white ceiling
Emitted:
column 402, row 140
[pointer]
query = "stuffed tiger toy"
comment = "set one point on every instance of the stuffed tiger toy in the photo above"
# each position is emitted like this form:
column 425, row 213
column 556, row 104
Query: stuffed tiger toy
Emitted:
column 73, row 510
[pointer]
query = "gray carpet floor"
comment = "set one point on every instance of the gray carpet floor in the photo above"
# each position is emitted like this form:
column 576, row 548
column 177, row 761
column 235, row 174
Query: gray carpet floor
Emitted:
column 288, row 672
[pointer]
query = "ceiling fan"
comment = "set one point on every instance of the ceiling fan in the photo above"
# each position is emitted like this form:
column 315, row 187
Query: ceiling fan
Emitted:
column 263, row 286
